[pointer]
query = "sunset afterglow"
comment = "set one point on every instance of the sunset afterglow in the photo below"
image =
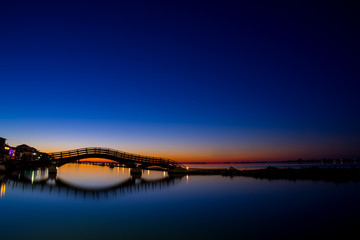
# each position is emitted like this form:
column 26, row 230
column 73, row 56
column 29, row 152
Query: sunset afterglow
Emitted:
column 179, row 119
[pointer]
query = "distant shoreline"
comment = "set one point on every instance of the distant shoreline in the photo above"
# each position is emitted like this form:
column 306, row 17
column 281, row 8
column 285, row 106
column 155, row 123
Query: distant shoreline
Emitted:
column 299, row 161
column 331, row 174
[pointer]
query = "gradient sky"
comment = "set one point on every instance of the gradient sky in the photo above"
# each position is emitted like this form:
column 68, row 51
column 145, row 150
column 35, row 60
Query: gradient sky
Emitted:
column 187, row 80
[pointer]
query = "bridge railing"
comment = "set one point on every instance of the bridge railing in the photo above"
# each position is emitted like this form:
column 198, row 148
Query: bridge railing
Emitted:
column 115, row 153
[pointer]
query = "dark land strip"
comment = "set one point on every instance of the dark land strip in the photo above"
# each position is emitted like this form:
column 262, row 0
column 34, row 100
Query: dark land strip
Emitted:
column 331, row 174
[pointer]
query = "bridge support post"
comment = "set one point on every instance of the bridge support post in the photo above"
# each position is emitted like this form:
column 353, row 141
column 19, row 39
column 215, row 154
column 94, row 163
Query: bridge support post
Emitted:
column 52, row 172
column 136, row 172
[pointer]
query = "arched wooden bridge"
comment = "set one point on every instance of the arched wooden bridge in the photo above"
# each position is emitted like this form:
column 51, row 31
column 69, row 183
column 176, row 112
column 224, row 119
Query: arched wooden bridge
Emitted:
column 128, row 159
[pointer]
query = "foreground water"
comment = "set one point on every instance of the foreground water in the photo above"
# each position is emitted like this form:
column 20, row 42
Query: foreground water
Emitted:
column 93, row 202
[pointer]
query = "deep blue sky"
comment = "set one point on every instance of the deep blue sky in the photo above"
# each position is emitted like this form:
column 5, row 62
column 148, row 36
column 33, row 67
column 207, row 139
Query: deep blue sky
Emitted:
column 209, row 80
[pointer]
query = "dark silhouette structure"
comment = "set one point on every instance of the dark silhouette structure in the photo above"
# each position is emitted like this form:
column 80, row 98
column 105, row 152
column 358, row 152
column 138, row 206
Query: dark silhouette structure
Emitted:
column 128, row 159
column 24, row 156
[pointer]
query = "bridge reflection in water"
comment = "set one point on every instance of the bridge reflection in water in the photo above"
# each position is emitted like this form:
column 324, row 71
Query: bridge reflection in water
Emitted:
column 69, row 181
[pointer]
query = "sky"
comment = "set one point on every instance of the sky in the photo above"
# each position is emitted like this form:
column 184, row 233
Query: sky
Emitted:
column 186, row 80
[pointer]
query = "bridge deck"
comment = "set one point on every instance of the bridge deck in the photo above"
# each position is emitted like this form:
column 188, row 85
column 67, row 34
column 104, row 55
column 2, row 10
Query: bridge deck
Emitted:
column 115, row 155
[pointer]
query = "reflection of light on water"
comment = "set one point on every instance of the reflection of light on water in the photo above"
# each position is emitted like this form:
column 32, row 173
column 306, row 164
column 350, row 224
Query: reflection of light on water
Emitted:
column 37, row 175
column 187, row 178
column 164, row 173
column 92, row 177
column 3, row 189
column 51, row 182
column 151, row 175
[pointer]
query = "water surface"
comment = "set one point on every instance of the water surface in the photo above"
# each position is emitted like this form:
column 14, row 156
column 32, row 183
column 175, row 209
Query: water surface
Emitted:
column 92, row 202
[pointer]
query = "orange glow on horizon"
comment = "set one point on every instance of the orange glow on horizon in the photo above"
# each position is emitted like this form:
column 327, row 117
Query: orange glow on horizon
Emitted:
column 97, row 160
column 228, row 154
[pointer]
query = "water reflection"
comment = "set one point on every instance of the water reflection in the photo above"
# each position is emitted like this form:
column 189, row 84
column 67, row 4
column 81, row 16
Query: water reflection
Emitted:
column 92, row 177
column 87, row 181
column 154, row 175
column 3, row 189
column 202, row 207
column 37, row 175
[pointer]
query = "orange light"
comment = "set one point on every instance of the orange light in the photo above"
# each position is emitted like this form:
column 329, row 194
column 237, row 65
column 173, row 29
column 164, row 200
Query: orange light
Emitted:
column 3, row 189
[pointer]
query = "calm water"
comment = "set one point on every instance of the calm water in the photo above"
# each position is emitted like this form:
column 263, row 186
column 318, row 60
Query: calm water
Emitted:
column 93, row 202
